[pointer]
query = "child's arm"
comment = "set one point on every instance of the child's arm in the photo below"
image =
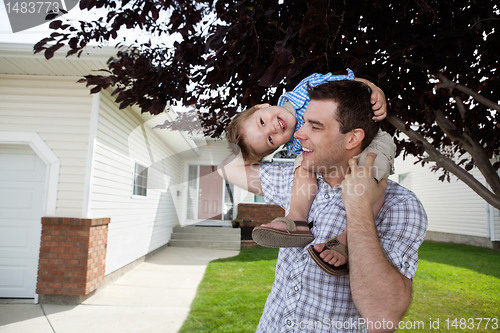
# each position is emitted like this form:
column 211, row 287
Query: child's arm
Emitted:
column 240, row 173
column 378, row 100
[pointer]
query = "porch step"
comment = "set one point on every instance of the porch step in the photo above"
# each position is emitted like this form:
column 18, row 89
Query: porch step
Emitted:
column 208, row 237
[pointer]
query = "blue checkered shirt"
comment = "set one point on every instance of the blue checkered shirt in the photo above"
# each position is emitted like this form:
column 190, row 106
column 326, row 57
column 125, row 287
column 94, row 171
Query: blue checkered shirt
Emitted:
column 303, row 297
column 299, row 98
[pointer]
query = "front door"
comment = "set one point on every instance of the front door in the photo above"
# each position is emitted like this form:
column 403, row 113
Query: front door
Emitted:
column 22, row 192
column 210, row 194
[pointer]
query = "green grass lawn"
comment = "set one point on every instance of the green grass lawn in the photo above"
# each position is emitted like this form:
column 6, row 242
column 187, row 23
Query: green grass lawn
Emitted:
column 452, row 282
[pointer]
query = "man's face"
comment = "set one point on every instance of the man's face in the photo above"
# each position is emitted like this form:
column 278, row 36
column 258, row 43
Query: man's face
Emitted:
column 269, row 128
column 323, row 143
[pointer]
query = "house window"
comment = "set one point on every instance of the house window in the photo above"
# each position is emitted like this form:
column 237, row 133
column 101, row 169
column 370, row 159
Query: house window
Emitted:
column 140, row 180
column 404, row 180
column 258, row 198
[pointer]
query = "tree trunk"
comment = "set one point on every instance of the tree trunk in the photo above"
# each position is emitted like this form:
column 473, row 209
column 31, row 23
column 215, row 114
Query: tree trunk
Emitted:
column 447, row 164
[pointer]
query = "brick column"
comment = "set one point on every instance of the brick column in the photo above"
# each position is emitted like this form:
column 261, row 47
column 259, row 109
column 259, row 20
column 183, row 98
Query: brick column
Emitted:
column 257, row 214
column 72, row 259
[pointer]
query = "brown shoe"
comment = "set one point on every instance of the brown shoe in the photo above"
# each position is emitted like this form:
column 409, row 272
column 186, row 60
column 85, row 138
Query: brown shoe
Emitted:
column 331, row 244
column 270, row 237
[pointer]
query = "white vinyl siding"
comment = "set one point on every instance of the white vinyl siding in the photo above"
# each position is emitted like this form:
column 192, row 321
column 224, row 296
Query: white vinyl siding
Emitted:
column 451, row 207
column 90, row 137
column 58, row 109
column 138, row 225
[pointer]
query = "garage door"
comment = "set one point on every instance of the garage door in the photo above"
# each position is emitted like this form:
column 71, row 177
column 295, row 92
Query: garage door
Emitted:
column 22, row 188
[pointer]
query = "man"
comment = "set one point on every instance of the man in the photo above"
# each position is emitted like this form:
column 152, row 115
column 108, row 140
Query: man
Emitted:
column 382, row 251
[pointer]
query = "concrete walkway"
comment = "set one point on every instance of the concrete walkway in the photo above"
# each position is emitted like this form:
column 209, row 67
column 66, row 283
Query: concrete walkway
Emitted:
column 154, row 297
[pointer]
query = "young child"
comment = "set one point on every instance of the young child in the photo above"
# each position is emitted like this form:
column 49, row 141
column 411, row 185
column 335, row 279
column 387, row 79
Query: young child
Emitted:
column 262, row 129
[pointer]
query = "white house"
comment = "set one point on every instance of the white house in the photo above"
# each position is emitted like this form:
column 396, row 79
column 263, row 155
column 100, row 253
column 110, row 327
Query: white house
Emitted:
column 455, row 212
column 76, row 160
column 68, row 154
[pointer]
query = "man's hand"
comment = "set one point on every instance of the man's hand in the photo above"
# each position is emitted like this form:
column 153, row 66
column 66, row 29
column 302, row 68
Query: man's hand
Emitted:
column 359, row 189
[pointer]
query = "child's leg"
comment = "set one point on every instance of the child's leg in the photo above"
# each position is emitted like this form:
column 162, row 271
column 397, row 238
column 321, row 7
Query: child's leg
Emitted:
column 304, row 190
column 292, row 230
column 384, row 147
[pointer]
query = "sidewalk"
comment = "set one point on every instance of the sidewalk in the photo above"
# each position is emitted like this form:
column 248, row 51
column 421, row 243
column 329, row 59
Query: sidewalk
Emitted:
column 154, row 297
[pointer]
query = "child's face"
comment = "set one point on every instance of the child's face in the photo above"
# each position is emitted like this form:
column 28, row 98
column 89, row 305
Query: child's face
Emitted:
column 269, row 128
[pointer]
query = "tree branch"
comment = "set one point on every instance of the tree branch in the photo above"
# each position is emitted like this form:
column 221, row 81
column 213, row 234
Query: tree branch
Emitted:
column 448, row 164
column 451, row 130
column 446, row 83
column 481, row 160
column 461, row 106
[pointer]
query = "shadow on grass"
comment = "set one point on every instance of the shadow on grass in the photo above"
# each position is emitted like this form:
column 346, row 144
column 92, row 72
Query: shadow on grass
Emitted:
column 481, row 260
column 256, row 253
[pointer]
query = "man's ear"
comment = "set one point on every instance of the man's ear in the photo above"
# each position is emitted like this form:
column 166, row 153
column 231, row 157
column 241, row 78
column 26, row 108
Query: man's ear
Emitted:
column 356, row 137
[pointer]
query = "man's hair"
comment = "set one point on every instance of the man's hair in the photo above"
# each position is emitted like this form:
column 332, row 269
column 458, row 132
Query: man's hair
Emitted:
column 235, row 135
column 354, row 106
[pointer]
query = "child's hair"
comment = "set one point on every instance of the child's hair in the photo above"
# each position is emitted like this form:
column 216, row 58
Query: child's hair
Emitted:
column 234, row 135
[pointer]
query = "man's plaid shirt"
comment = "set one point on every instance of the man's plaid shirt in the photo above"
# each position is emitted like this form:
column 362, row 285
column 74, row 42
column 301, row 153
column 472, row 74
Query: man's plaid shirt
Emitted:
column 303, row 297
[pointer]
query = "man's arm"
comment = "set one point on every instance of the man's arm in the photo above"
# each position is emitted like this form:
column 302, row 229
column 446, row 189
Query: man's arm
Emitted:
column 245, row 175
column 380, row 292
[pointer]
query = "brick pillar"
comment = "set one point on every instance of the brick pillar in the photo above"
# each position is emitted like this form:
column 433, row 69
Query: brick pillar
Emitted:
column 257, row 214
column 72, row 259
